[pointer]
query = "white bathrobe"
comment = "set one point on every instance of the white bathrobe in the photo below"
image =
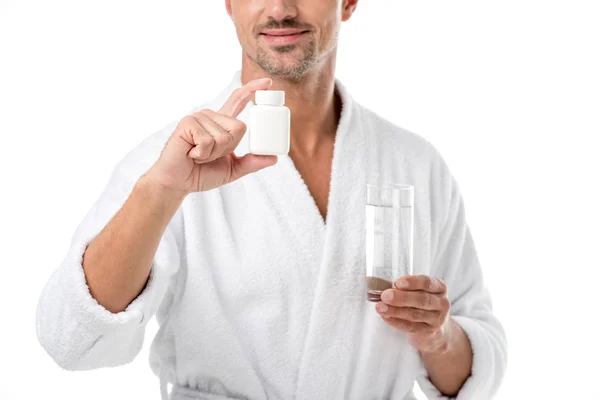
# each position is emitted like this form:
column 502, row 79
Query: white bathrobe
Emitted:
column 258, row 298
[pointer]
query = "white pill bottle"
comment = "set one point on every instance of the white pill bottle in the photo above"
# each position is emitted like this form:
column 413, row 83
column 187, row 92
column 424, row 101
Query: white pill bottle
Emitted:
column 269, row 124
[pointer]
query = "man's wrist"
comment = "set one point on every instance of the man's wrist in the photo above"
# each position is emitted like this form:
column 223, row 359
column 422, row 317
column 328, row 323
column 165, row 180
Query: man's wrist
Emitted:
column 442, row 342
column 156, row 189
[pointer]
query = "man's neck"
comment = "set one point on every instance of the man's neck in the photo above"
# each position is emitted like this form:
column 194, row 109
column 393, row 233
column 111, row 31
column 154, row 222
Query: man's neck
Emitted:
column 314, row 106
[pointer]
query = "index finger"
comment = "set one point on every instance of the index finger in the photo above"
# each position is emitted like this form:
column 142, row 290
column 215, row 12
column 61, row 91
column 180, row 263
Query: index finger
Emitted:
column 421, row 282
column 241, row 96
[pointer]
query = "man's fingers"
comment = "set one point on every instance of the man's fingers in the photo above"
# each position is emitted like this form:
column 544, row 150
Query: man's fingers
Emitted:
column 250, row 163
column 223, row 125
column 234, row 127
column 224, row 142
column 195, row 135
column 415, row 299
column 408, row 326
column 209, row 143
column 241, row 96
column 421, row 282
column 432, row 318
column 205, row 144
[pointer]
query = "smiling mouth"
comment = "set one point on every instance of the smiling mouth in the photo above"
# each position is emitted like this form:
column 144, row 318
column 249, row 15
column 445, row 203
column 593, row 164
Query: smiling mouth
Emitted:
column 282, row 31
column 283, row 36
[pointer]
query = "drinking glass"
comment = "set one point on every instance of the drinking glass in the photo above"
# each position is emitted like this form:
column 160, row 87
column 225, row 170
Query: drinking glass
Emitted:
column 389, row 239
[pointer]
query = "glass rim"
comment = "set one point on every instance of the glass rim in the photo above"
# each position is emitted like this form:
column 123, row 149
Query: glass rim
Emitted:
column 401, row 186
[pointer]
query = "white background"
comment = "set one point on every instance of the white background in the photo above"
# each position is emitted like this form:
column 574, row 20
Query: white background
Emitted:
column 508, row 91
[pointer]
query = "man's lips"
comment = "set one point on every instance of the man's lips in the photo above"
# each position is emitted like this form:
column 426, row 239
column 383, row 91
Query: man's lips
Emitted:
column 282, row 36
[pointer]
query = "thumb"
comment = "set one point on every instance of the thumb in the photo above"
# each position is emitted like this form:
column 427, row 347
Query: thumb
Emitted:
column 250, row 163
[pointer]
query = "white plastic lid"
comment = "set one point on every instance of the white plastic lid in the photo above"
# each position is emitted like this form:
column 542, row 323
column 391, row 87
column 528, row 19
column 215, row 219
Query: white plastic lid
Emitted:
column 403, row 196
column 270, row 97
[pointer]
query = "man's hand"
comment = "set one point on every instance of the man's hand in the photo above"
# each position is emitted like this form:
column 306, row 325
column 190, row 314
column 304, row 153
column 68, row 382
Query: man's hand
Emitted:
column 199, row 154
column 420, row 307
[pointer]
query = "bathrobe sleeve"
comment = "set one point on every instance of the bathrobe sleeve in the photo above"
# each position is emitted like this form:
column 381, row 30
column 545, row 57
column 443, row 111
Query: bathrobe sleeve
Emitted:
column 456, row 262
column 73, row 328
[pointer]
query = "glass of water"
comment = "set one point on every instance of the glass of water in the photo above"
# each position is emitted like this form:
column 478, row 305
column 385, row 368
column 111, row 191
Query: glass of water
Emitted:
column 389, row 239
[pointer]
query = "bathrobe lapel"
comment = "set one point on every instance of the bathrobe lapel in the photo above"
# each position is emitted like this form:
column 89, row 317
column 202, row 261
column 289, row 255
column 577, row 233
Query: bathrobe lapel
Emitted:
column 333, row 357
column 339, row 294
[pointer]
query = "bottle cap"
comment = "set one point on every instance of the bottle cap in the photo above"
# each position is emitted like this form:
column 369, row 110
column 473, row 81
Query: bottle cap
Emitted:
column 270, row 97
column 403, row 196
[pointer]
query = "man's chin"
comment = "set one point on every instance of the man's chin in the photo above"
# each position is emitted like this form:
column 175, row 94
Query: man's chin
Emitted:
column 283, row 64
column 289, row 52
column 283, row 68
column 285, row 49
column 284, row 72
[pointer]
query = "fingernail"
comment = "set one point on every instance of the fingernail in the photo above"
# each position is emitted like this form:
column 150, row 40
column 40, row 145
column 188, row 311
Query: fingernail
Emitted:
column 383, row 307
column 401, row 284
column 387, row 296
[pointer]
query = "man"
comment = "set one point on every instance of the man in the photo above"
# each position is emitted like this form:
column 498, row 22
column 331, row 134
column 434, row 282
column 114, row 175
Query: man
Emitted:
column 254, row 266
